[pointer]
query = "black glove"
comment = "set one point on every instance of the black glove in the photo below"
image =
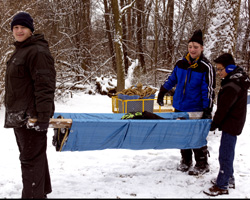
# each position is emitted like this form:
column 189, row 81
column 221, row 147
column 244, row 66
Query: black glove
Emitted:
column 161, row 94
column 41, row 126
column 206, row 114
column 213, row 127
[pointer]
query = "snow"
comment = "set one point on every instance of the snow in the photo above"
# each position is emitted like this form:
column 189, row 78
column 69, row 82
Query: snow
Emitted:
column 130, row 75
column 120, row 173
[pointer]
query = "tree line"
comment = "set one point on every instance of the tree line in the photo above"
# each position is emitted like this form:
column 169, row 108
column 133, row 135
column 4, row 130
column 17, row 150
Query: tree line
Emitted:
column 93, row 38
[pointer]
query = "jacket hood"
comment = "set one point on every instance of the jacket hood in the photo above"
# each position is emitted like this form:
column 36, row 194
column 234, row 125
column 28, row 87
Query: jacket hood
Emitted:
column 239, row 77
column 34, row 39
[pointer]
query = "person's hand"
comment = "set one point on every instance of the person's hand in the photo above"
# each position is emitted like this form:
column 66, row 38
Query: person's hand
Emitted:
column 213, row 127
column 160, row 101
column 161, row 94
column 41, row 126
column 206, row 114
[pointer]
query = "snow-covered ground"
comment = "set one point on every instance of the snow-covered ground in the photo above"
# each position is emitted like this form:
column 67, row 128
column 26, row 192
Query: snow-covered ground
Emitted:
column 120, row 173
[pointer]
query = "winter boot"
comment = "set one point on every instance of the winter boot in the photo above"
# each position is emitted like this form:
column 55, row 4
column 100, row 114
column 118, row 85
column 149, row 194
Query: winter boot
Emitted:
column 215, row 191
column 186, row 161
column 184, row 166
column 201, row 166
column 231, row 182
column 199, row 169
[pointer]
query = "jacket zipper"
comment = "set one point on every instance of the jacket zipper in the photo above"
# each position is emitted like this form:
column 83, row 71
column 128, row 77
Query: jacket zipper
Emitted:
column 186, row 79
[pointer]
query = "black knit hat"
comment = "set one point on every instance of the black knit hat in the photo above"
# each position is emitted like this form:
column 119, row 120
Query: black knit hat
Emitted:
column 197, row 37
column 225, row 59
column 23, row 19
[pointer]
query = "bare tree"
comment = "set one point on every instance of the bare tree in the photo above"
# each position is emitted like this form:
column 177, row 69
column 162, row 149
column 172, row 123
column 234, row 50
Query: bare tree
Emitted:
column 222, row 30
column 108, row 22
column 87, row 40
column 183, row 26
column 170, row 29
column 118, row 45
column 139, row 6
column 244, row 54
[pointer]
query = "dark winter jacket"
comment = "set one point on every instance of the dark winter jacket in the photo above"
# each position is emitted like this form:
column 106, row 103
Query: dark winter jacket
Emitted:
column 230, row 115
column 29, row 83
column 195, row 83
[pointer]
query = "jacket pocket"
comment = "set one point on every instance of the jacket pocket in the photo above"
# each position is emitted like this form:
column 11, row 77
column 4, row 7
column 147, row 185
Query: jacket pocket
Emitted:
column 16, row 68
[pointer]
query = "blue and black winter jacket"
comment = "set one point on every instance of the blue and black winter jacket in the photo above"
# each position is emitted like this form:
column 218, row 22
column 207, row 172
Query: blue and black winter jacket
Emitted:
column 194, row 82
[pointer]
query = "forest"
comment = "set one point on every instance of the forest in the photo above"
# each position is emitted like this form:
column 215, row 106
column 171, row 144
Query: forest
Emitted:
column 91, row 39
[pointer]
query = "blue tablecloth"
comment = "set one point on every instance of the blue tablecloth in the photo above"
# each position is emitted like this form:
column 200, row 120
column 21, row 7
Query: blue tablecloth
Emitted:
column 97, row 131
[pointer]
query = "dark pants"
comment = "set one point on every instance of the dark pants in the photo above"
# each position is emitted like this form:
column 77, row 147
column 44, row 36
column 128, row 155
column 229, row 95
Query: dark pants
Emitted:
column 226, row 158
column 200, row 156
column 34, row 165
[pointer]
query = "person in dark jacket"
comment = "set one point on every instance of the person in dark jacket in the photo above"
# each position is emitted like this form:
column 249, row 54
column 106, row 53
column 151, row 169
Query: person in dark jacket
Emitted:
column 29, row 93
column 229, row 118
column 194, row 79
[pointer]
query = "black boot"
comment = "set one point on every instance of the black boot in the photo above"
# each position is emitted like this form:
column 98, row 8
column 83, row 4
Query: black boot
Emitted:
column 201, row 166
column 184, row 166
column 186, row 161
column 199, row 169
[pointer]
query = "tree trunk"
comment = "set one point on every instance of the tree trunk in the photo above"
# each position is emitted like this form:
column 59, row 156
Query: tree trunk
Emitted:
column 124, row 38
column 226, row 32
column 156, row 39
column 139, row 5
column 245, row 51
column 183, row 22
column 170, row 27
column 118, row 46
column 108, row 32
column 86, row 35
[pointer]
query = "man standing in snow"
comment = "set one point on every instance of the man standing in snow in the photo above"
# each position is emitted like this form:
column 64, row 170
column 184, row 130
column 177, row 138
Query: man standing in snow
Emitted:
column 229, row 117
column 29, row 93
column 194, row 78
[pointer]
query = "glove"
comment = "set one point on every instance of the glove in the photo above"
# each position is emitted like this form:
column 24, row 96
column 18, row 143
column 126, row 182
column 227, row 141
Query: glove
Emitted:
column 161, row 94
column 213, row 127
column 206, row 114
column 41, row 126
column 128, row 116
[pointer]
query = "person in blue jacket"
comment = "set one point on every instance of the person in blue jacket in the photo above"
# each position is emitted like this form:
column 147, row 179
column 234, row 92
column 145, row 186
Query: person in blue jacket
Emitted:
column 194, row 79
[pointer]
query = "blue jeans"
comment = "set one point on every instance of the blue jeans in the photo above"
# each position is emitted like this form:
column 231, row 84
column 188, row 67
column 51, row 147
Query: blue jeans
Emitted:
column 226, row 158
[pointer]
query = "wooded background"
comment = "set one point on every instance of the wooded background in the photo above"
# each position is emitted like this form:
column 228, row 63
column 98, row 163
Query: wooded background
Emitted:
column 102, row 38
